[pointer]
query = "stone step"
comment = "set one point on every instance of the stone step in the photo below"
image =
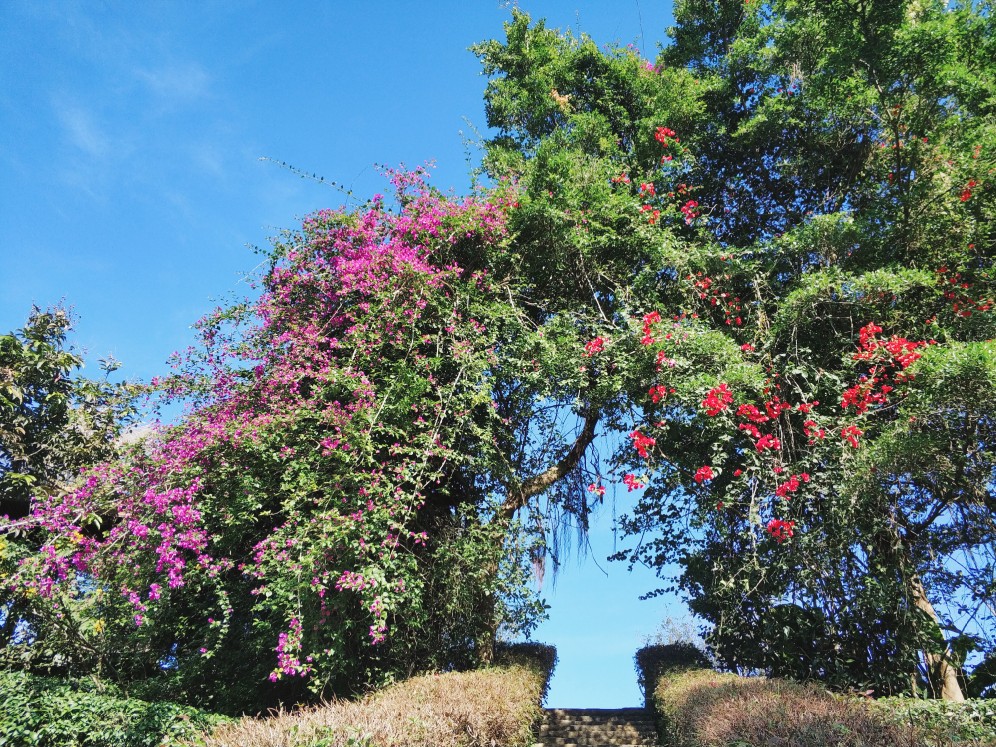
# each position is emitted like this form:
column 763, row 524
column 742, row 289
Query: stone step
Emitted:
column 611, row 722
column 596, row 727
column 621, row 730
column 646, row 731
column 628, row 738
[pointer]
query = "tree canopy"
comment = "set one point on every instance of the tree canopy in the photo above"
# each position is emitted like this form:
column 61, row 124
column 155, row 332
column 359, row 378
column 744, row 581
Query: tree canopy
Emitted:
column 817, row 176
column 764, row 258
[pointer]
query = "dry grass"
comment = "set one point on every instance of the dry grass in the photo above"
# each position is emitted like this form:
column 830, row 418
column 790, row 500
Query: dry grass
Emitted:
column 457, row 709
column 701, row 708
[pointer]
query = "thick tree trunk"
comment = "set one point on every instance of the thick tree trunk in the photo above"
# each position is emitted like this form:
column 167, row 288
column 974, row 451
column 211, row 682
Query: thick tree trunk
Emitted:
column 943, row 673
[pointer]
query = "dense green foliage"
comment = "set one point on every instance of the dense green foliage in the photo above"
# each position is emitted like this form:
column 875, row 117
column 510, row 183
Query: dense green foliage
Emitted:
column 813, row 184
column 53, row 421
column 944, row 723
column 47, row 712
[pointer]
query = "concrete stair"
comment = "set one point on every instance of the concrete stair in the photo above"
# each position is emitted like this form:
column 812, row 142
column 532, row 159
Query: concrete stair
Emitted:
column 596, row 727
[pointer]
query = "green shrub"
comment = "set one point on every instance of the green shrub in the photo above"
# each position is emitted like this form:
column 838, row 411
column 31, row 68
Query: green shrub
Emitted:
column 652, row 662
column 943, row 723
column 48, row 712
column 529, row 654
column 701, row 708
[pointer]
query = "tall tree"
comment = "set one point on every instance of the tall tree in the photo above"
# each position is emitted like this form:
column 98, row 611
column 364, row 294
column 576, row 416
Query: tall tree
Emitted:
column 54, row 422
column 813, row 179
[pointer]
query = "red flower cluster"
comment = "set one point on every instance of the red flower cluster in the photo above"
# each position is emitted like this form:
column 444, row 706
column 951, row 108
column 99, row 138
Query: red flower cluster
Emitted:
column 751, row 430
column 767, row 441
column 966, row 193
column 752, row 414
column 775, row 406
column 717, row 400
column 731, row 305
column 641, row 443
column 663, row 134
column 862, row 396
column 594, row 346
column 657, row 393
column 780, row 530
column 850, row 434
column 962, row 303
column 813, row 431
column 704, row 474
column 631, row 482
column 903, row 351
column 596, row 488
column 690, row 211
column 649, row 320
column 662, row 359
column 655, row 214
column 889, row 358
column 791, row 485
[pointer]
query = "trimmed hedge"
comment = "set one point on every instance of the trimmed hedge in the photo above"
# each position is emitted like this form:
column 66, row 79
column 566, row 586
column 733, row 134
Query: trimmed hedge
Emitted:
column 701, row 708
column 49, row 712
column 943, row 723
column 653, row 662
column 539, row 656
column 481, row 708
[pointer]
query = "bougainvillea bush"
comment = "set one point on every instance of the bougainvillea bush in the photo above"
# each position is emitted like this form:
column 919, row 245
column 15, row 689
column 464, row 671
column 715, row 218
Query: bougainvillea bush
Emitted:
column 323, row 514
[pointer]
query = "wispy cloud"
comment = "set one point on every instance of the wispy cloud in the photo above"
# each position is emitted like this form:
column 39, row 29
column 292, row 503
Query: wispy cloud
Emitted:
column 81, row 130
column 173, row 83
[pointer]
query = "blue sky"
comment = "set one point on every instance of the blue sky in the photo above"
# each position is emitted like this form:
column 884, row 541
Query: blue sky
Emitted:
column 131, row 187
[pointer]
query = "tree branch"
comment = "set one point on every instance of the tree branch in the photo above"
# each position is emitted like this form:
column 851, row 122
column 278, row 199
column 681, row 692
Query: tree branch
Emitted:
column 519, row 495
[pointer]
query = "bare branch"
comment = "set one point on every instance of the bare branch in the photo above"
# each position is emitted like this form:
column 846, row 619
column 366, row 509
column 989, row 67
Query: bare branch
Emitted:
column 519, row 495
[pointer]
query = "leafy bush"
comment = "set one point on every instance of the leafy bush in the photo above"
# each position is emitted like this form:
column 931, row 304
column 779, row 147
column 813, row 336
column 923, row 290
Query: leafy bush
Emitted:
column 529, row 654
column 702, row 708
column 456, row 709
column 47, row 712
column 942, row 722
column 652, row 662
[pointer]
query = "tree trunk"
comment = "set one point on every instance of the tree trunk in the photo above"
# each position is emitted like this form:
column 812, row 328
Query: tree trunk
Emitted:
column 943, row 674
